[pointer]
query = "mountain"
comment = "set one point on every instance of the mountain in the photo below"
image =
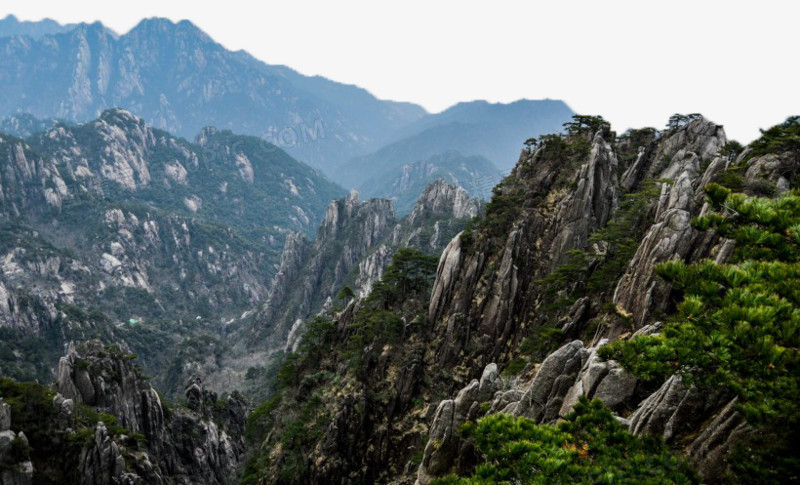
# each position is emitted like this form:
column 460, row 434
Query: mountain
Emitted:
column 617, row 268
column 493, row 131
column 114, row 221
column 353, row 248
column 11, row 26
column 475, row 174
column 178, row 79
column 625, row 307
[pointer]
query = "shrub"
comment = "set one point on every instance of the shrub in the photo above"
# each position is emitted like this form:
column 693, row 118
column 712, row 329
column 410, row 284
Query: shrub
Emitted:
column 738, row 325
column 589, row 447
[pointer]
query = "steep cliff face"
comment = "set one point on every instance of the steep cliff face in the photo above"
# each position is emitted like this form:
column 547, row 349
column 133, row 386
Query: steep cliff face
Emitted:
column 524, row 301
column 680, row 157
column 107, row 425
column 354, row 245
column 703, row 424
column 311, row 274
column 550, row 204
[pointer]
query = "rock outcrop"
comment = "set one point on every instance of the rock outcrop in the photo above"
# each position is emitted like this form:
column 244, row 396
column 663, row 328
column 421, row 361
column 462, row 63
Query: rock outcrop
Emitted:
column 482, row 296
column 487, row 290
column 199, row 445
column 671, row 236
column 15, row 465
column 361, row 237
column 310, row 274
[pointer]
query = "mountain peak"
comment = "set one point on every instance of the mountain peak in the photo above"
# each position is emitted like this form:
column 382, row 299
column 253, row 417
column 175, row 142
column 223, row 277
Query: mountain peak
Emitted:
column 119, row 116
column 154, row 25
column 11, row 25
column 442, row 198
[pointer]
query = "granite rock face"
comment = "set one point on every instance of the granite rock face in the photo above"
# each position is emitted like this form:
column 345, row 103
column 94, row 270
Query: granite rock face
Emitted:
column 671, row 236
column 444, row 445
column 199, row 444
column 486, row 290
column 17, row 470
column 361, row 238
column 307, row 277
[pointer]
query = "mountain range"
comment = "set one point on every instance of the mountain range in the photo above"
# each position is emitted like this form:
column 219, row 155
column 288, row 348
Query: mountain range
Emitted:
column 11, row 26
column 178, row 79
column 508, row 293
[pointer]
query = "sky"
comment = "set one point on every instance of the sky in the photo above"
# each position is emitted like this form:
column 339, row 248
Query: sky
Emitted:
column 633, row 62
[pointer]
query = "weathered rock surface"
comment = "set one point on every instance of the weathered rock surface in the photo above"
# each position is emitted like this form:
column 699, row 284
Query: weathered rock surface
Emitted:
column 197, row 445
column 484, row 292
column 480, row 299
column 14, row 469
column 444, row 444
column 639, row 292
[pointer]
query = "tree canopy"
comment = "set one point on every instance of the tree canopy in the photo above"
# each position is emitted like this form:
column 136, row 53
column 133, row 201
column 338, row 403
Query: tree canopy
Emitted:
column 781, row 138
column 585, row 124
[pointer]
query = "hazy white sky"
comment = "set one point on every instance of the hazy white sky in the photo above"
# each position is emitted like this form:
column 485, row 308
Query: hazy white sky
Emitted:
column 634, row 62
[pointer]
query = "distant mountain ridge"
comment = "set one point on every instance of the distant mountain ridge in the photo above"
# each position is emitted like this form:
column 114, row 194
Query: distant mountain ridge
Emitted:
column 494, row 131
column 475, row 174
column 177, row 78
column 11, row 26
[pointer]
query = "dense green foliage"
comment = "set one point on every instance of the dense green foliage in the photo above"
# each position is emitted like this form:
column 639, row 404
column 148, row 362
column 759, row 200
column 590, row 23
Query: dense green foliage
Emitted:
column 678, row 120
column 585, row 124
column 589, row 447
column 738, row 326
column 784, row 137
column 411, row 272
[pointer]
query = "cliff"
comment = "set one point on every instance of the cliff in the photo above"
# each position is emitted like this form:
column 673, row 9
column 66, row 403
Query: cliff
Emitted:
column 561, row 264
column 107, row 425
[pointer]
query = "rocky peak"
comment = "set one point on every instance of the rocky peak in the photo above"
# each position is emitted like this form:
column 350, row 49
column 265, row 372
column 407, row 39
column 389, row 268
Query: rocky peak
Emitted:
column 678, row 157
column 159, row 27
column 105, row 377
column 371, row 218
column 443, row 199
column 592, row 202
